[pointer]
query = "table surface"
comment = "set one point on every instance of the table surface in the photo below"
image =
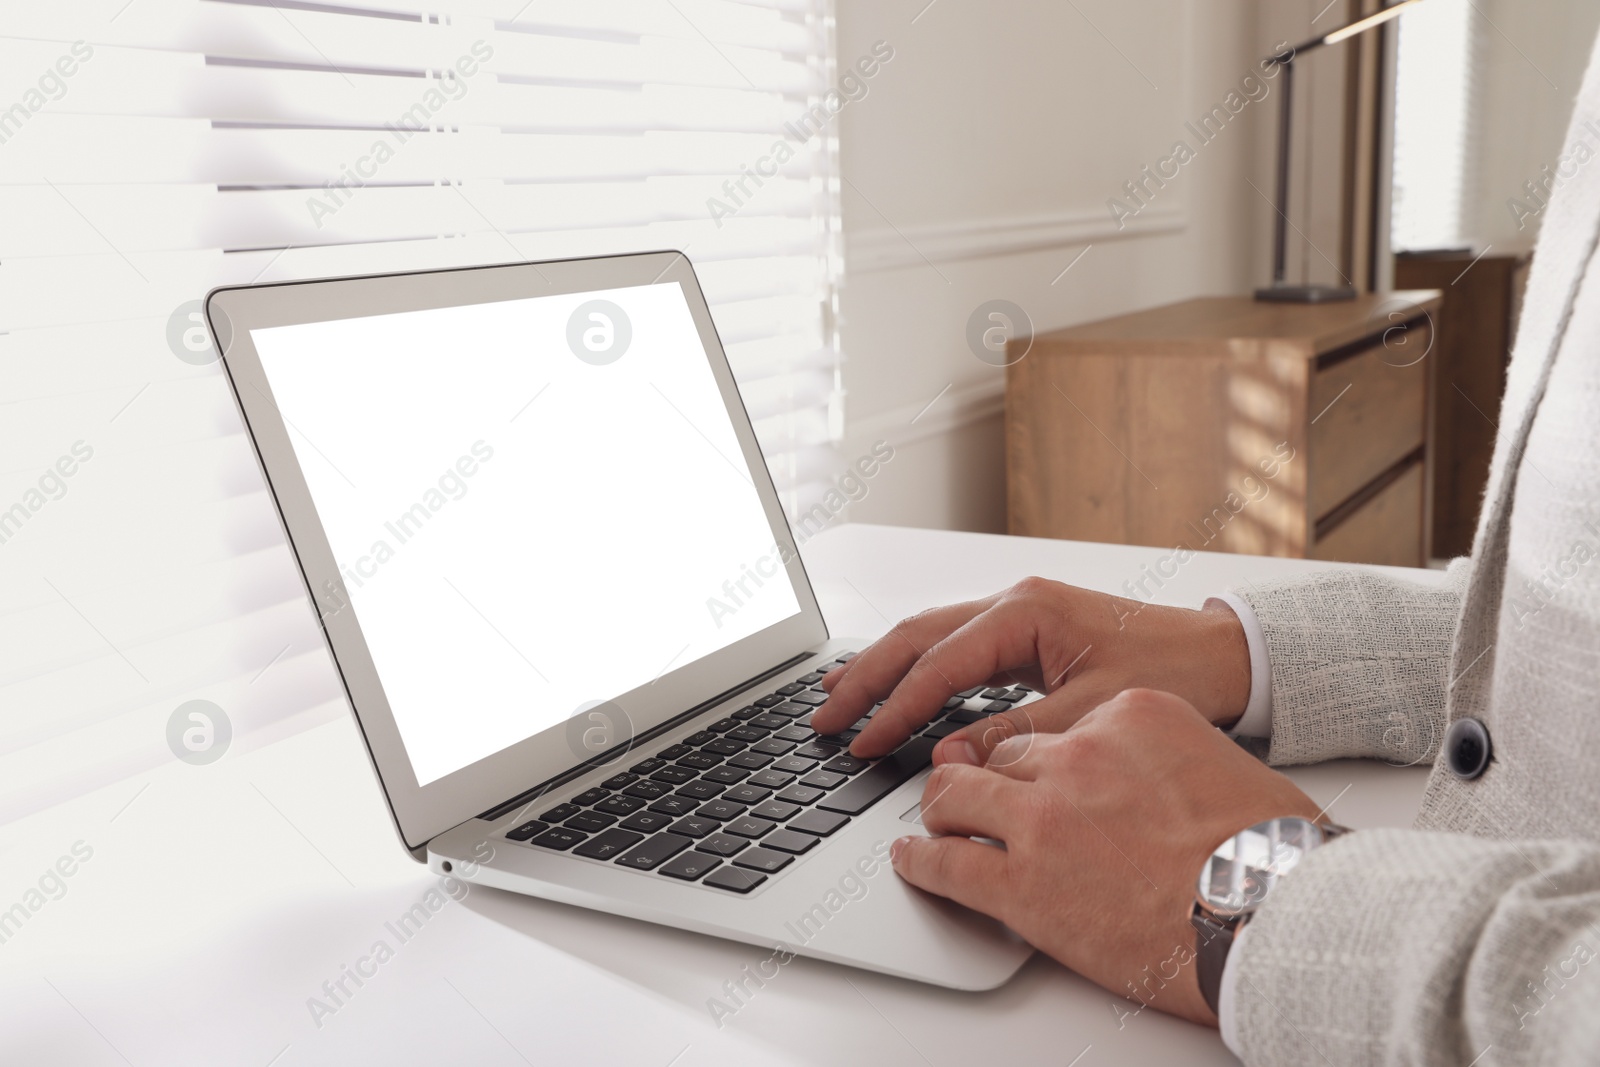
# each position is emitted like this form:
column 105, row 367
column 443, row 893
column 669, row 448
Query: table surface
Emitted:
column 217, row 900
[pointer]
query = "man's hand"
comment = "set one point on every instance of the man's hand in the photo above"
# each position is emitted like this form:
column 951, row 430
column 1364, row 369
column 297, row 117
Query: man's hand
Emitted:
column 1079, row 646
column 1105, row 829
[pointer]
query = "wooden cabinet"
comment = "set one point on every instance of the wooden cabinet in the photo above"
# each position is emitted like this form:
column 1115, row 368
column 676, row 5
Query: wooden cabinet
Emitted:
column 1222, row 424
column 1477, row 325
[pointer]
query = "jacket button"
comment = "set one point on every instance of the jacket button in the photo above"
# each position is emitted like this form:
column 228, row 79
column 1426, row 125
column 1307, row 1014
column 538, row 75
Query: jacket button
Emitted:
column 1467, row 748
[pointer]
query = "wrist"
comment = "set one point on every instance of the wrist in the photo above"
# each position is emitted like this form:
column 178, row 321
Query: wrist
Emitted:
column 1226, row 664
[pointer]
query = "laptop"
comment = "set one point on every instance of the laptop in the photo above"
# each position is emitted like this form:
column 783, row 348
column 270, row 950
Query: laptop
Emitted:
column 569, row 615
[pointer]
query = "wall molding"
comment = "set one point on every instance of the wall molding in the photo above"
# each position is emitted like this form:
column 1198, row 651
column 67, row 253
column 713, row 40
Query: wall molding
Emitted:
column 887, row 248
column 958, row 406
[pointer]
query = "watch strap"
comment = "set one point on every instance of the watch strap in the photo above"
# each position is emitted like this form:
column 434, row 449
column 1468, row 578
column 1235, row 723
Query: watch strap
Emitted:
column 1212, row 942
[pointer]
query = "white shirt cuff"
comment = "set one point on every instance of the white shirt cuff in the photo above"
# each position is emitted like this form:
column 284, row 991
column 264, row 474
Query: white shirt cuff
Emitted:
column 1257, row 718
column 1227, row 1004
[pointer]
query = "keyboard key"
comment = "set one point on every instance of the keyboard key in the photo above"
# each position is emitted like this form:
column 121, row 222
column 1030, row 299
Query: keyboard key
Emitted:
column 954, row 702
column 648, row 766
column 722, row 726
column 1011, row 696
column 963, row 717
column 882, row 778
column 747, row 794
column 589, row 796
column 734, row 880
column 775, row 809
column 810, row 679
column 700, row 789
column 699, row 761
column 694, row 826
column 795, row 765
column 811, row 697
column 797, row 734
column 821, row 823
column 720, row 844
column 793, row 687
column 618, row 780
column 647, row 790
column 769, row 700
column 791, row 710
column 818, row 750
column 699, row 737
column 560, row 813
column 720, row 810
column 748, row 827
column 673, row 806
column 646, row 821
column 590, row 822
column 995, row 706
column 771, row 779
column 846, row 657
column 941, row 729
column 608, row 844
column 654, row 851
column 752, row 761
column 723, row 747
column 690, row 866
column 672, row 752
column 746, row 734
column 970, row 693
column 527, row 830
column 823, row 779
column 674, row 775
column 616, row 804
column 760, row 859
column 801, row 794
column 768, row 721
column 558, row 838
column 748, row 712
column 726, row 775
column 773, row 747
column 845, row 765
column 789, row 841
column 995, row 694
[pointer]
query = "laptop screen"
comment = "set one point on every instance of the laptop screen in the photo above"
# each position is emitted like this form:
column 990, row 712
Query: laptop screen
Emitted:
column 536, row 505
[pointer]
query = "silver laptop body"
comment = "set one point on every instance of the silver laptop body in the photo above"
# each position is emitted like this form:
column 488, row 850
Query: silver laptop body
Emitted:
column 567, row 609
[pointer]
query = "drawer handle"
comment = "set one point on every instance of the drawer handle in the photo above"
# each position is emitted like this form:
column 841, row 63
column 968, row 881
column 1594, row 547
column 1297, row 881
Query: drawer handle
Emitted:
column 1358, row 499
column 1365, row 344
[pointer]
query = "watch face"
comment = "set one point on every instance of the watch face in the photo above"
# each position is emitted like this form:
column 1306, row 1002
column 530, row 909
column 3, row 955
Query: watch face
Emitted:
column 1244, row 868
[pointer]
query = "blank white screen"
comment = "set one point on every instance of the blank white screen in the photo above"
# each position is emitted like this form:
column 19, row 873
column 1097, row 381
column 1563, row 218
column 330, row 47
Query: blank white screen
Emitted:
column 566, row 524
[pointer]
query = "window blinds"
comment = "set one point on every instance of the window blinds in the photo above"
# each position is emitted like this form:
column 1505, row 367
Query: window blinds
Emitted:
column 1439, row 63
column 151, row 149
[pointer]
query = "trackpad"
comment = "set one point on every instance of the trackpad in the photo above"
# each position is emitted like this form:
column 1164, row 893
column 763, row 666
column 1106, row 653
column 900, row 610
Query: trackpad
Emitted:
column 914, row 814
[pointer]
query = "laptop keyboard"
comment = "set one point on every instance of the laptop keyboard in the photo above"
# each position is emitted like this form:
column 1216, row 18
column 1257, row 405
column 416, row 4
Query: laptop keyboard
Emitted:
column 743, row 799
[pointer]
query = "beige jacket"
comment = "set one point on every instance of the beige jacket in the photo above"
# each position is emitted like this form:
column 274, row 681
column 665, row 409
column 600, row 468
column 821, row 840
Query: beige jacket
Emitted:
column 1474, row 938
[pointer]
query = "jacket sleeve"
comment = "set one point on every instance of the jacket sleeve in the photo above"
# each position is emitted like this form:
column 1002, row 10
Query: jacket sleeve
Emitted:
column 1409, row 947
column 1359, row 663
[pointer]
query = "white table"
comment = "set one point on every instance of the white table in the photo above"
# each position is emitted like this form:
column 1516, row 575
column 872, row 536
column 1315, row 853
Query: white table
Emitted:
column 218, row 899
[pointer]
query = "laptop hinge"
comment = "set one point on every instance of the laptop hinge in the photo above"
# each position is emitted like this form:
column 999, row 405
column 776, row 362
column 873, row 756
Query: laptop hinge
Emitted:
column 599, row 759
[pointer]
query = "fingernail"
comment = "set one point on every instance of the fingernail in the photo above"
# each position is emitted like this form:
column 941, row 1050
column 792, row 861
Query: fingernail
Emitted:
column 960, row 752
column 897, row 849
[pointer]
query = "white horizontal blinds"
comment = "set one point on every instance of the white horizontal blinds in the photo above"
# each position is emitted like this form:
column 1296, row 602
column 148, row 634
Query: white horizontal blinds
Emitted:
column 1440, row 60
column 151, row 150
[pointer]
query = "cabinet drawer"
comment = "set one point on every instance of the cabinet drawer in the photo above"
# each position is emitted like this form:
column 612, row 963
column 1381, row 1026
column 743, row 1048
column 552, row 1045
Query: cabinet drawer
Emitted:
column 1370, row 414
column 1385, row 530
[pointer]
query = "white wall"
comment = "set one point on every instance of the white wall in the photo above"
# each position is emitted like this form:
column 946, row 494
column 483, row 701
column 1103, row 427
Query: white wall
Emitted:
column 989, row 146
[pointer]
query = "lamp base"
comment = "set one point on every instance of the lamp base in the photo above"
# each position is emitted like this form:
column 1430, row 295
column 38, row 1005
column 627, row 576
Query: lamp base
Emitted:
column 1305, row 294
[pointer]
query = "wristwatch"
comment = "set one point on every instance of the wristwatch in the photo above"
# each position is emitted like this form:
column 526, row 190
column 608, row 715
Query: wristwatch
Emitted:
column 1237, row 878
